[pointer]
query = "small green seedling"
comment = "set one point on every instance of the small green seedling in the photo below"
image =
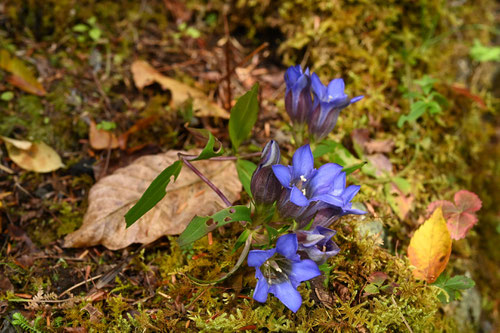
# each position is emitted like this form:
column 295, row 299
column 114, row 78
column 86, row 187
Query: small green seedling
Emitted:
column 425, row 100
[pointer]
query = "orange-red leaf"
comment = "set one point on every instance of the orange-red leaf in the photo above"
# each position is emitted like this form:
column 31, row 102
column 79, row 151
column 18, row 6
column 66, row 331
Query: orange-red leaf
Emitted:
column 430, row 248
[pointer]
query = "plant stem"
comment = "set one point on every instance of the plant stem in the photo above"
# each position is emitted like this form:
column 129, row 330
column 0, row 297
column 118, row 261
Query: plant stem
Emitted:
column 206, row 180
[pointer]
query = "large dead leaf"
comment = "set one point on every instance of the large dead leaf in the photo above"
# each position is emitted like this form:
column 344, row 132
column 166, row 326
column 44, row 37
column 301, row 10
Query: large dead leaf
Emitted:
column 22, row 76
column 112, row 196
column 430, row 248
column 145, row 75
column 32, row 156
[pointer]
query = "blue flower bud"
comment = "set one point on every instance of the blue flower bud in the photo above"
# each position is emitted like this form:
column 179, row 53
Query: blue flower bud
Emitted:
column 328, row 102
column 264, row 185
column 298, row 101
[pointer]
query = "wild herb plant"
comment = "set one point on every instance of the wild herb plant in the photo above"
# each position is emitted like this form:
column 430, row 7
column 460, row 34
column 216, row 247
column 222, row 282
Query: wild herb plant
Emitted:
column 286, row 236
column 425, row 100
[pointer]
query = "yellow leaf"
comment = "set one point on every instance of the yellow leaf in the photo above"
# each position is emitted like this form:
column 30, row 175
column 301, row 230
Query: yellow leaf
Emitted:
column 22, row 76
column 32, row 156
column 430, row 248
column 145, row 75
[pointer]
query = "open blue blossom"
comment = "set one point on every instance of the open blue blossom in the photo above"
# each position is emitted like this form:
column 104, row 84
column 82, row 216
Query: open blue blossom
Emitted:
column 328, row 102
column 298, row 101
column 305, row 185
column 317, row 244
column 279, row 271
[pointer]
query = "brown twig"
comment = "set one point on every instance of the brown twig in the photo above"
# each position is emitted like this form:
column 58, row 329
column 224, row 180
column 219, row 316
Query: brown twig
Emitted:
column 107, row 102
column 228, row 63
column 244, row 61
column 402, row 317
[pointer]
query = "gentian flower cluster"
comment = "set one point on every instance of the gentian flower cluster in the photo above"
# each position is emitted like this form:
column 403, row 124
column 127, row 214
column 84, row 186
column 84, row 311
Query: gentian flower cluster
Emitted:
column 320, row 114
column 312, row 198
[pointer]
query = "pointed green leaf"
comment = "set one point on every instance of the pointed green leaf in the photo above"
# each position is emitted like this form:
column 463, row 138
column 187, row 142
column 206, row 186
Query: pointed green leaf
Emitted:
column 245, row 171
column 213, row 148
column 353, row 168
column 154, row 193
column 243, row 116
column 202, row 225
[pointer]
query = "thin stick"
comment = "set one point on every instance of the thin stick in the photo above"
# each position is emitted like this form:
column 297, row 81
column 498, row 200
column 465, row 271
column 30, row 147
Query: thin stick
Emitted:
column 206, row 180
column 221, row 158
column 81, row 284
column 244, row 61
column 228, row 63
column 402, row 317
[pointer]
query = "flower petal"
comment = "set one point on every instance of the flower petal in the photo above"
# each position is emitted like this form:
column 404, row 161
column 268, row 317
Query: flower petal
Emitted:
column 324, row 178
column 298, row 198
column 287, row 246
column 283, row 173
column 288, row 295
column 357, row 98
column 261, row 290
column 257, row 257
column 303, row 162
column 318, row 88
column 304, row 270
column 335, row 89
column 350, row 192
column 331, row 199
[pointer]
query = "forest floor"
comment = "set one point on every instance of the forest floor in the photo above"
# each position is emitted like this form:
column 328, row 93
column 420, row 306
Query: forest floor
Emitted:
column 90, row 80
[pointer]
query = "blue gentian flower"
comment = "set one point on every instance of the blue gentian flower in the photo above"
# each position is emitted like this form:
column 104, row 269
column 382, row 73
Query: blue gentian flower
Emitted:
column 264, row 185
column 304, row 185
column 328, row 102
column 317, row 244
column 298, row 101
column 280, row 270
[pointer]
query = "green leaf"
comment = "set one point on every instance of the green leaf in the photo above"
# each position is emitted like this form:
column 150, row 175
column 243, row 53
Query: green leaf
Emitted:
column 481, row 53
column 245, row 170
column 417, row 109
column 434, row 107
column 7, row 96
column 202, row 225
column 80, row 28
column 210, row 150
column 106, row 125
column 95, row 34
column 426, row 83
column 353, row 168
column 154, row 193
column 402, row 184
column 243, row 116
column 241, row 240
column 371, row 289
column 325, row 147
column 452, row 287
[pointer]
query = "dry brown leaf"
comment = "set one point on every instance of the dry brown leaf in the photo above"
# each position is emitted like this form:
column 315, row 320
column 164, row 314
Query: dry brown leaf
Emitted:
column 379, row 146
column 33, row 156
column 112, row 196
column 101, row 139
column 145, row 75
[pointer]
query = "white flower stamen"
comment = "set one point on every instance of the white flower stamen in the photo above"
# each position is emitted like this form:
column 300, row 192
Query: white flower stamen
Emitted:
column 303, row 178
column 304, row 191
